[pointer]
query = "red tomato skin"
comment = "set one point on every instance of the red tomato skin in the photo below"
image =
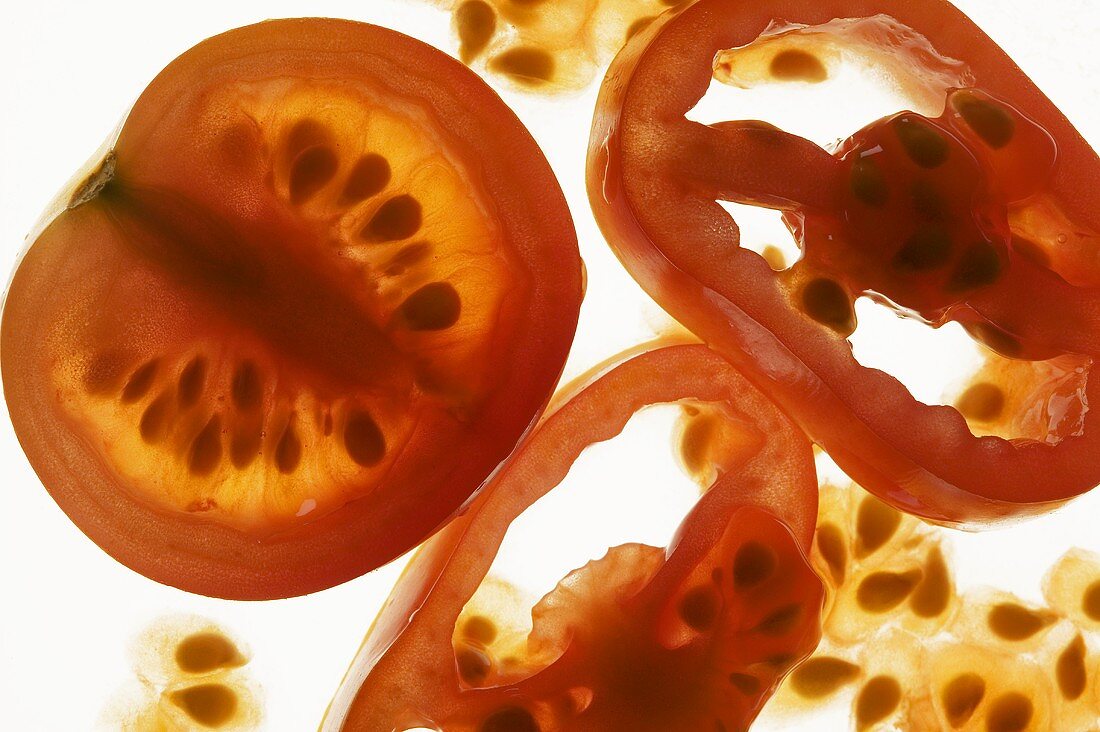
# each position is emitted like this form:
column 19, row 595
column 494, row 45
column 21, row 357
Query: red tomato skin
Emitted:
column 203, row 556
column 922, row 460
column 405, row 673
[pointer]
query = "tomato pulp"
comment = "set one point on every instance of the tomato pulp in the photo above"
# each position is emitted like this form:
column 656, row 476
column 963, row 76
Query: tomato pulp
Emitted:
column 985, row 215
column 311, row 298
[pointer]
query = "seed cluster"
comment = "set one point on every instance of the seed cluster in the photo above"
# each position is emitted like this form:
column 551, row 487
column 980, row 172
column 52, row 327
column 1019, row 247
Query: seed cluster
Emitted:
column 1039, row 400
column 928, row 219
column 917, row 656
column 547, row 46
column 246, row 425
column 191, row 675
column 313, row 164
column 749, row 606
column 231, row 426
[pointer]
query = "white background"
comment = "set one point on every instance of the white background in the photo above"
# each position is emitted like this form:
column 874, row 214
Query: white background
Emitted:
column 68, row 72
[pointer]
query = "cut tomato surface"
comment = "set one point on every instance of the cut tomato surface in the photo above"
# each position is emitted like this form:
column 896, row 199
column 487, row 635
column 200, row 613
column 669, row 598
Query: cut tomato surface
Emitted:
column 311, row 298
column 692, row 637
column 985, row 215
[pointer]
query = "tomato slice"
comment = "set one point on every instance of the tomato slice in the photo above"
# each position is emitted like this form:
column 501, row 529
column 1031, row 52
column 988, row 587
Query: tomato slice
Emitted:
column 693, row 637
column 981, row 216
column 313, row 295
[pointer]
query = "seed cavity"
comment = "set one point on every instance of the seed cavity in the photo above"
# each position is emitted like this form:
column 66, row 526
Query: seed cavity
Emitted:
column 780, row 622
column 211, row 705
column 982, row 402
column 961, row 697
column 924, row 144
column 311, row 171
column 244, row 446
column 435, row 306
column 822, row 676
column 202, row 653
column 473, row 664
column 877, row 700
column 305, row 133
column 795, row 65
column 363, row 440
column 869, row 184
column 928, row 248
column 1010, row 712
column 398, row 218
column 746, row 684
column 476, row 23
column 154, row 420
column 876, row 523
column 510, row 719
column 928, row 204
column 979, row 266
column 525, row 64
column 368, row 177
column 825, row 301
column 480, row 629
column 1015, row 622
column 753, row 563
column 191, row 381
column 206, row 448
column 991, row 122
column 246, row 389
column 1090, row 601
column 933, row 594
column 830, row 544
column 696, row 441
column 699, row 607
column 881, row 592
column 140, row 382
column 1070, row 669
column 288, row 451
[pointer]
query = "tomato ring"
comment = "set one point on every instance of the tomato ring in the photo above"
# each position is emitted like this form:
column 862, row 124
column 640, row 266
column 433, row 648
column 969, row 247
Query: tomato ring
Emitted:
column 654, row 177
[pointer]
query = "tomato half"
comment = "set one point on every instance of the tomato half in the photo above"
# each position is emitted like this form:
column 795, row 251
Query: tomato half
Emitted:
column 693, row 637
column 317, row 290
column 986, row 215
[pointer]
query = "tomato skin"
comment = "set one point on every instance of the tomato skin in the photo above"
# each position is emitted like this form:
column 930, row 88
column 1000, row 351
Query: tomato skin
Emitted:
column 679, row 244
column 448, row 453
column 404, row 675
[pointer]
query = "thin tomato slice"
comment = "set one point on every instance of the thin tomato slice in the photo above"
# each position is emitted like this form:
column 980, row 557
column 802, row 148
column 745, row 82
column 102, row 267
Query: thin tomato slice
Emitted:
column 693, row 637
column 314, row 294
column 981, row 216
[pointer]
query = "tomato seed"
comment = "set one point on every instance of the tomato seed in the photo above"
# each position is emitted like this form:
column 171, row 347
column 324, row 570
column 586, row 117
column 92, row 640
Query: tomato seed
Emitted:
column 369, row 176
column 961, row 697
column 398, row 218
column 795, row 65
column 363, row 440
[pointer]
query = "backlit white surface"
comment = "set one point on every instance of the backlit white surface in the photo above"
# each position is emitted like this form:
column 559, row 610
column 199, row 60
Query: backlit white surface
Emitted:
column 71, row 69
